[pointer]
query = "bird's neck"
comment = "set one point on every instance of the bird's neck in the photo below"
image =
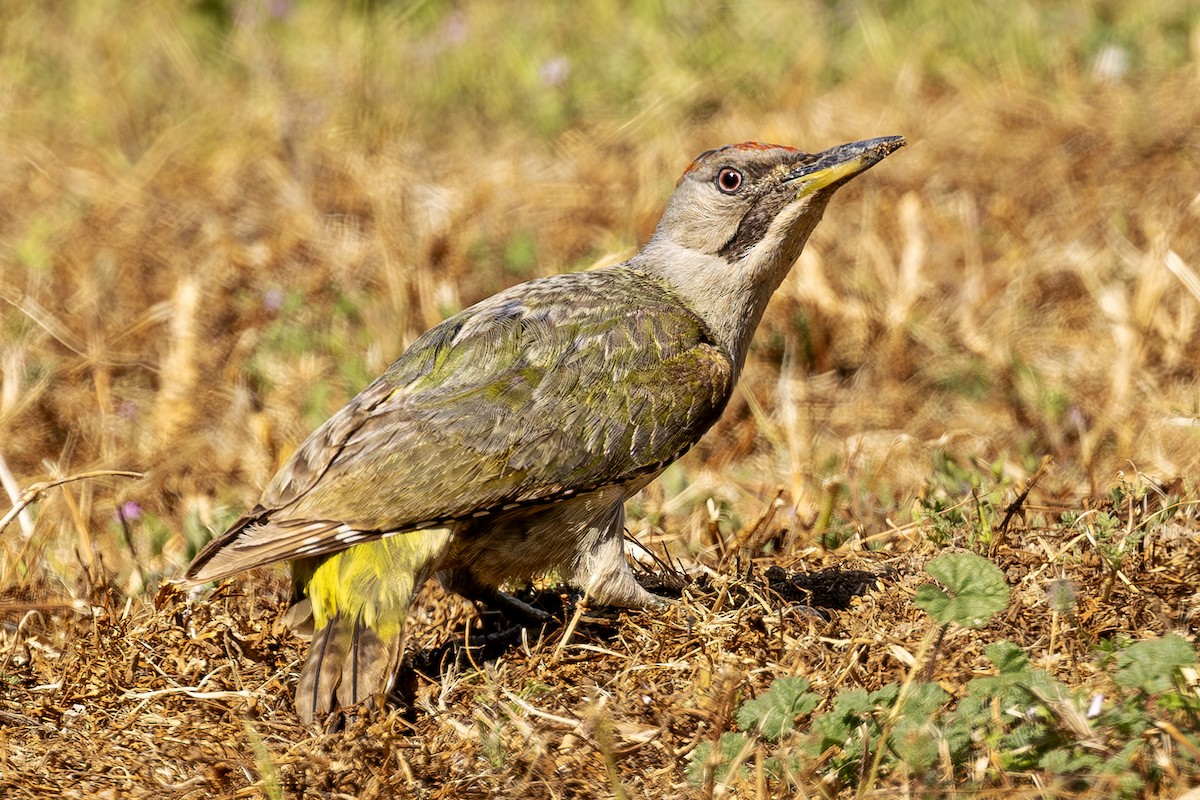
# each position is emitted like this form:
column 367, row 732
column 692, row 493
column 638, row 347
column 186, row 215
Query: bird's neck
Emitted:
column 729, row 297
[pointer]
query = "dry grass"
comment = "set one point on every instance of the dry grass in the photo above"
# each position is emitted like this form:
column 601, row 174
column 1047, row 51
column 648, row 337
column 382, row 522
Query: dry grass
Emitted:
column 216, row 226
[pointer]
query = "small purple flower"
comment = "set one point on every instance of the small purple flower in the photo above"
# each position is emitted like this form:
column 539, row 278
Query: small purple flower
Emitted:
column 279, row 9
column 129, row 511
column 455, row 29
column 272, row 300
column 554, row 73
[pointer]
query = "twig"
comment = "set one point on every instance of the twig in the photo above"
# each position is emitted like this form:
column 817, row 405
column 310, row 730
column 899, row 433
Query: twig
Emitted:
column 190, row 691
column 1017, row 504
column 532, row 710
column 570, row 631
column 1179, row 738
column 744, row 538
column 36, row 490
column 14, row 494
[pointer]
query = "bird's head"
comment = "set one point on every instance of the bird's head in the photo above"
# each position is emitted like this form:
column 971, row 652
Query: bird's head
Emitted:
column 737, row 221
column 747, row 201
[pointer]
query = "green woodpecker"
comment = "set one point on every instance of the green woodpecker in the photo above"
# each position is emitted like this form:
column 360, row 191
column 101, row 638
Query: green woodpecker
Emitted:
column 505, row 441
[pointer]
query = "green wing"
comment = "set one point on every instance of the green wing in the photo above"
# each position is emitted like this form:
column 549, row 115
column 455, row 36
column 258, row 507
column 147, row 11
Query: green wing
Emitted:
column 550, row 389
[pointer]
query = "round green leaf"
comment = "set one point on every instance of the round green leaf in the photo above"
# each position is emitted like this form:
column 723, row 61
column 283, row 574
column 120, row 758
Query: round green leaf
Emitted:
column 975, row 590
column 1151, row 665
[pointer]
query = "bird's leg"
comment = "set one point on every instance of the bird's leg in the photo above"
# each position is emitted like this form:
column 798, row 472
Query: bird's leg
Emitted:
column 460, row 581
column 600, row 567
column 516, row 608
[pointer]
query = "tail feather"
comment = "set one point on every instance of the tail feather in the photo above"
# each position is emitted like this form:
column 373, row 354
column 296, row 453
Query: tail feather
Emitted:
column 348, row 664
column 371, row 668
column 357, row 602
column 322, row 672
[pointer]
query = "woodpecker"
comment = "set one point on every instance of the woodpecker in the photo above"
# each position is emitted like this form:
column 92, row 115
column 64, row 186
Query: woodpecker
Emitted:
column 504, row 442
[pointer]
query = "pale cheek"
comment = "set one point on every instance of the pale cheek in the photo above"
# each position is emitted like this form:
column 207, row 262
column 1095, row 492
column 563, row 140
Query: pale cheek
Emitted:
column 713, row 226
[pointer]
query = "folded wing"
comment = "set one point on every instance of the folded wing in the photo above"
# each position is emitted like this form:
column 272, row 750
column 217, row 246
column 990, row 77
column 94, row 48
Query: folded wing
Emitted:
column 551, row 389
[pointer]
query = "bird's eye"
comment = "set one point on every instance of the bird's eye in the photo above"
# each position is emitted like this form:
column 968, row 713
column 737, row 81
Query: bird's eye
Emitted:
column 729, row 180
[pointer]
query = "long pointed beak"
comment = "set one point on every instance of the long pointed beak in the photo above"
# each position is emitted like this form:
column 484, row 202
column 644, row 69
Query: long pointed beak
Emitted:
column 837, row 164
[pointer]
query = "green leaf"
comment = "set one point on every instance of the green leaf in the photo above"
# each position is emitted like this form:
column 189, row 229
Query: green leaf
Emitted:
column 1008, row 657
column 1017, row 682
column 924, row 701
column 786, row 767
column 1065, row 760
column 916, row 746
column 1127, row 718
column 883, row 697
column 975, row 590
column 916, row 738
column 833, row 728
column 1151, row 666
column 704, row 758
column 1123, row 760
column 774, row 712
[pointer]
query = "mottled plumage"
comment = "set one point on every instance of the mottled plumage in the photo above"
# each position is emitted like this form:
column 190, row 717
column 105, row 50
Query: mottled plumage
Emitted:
column 505, row 441
column 423, row 446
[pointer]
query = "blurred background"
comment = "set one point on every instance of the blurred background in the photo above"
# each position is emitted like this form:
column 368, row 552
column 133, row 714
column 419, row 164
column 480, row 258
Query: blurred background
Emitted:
column 220, row 220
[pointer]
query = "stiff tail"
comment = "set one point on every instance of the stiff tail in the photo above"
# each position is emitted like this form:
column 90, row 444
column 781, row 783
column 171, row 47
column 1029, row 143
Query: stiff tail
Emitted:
column 348, row 664
column 359, row 600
